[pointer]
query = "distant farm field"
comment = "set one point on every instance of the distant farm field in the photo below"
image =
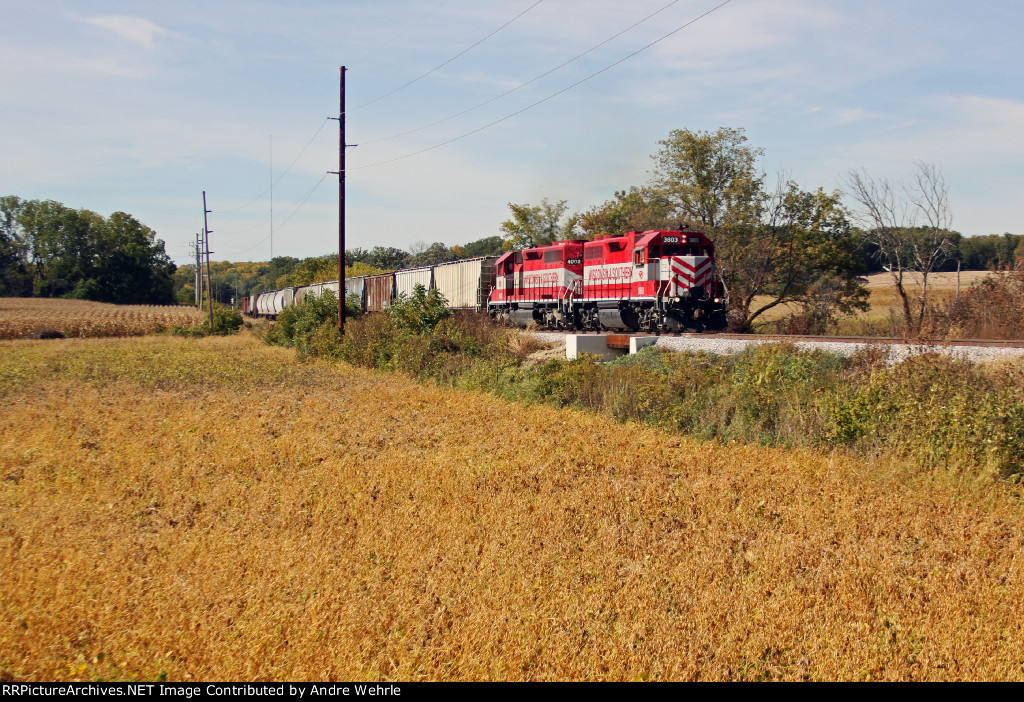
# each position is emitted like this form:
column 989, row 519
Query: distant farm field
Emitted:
column 216, row 509
column 941, row 286
column 884, row 298
column 25, row 318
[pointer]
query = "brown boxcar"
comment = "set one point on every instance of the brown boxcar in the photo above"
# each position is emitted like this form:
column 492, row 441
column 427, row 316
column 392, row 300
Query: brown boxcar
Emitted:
column 380, row 290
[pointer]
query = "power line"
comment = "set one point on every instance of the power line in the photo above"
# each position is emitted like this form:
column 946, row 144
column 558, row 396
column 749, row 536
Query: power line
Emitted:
column 549, row 97
column 327, row 119
column 298, row 205
column 382, row 45
column 442, row 65
column 269, row 188
column 521, row 85
column 284, row 173
column 294, row 207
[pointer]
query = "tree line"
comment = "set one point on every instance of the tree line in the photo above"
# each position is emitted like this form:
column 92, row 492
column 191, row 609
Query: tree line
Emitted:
column 50, row 250
column 233, row 281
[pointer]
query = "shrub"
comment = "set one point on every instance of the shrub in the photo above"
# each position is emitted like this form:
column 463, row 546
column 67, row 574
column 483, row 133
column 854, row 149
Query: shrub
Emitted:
column 47, row 333
column 992, row 309
column 420, row 312
column 940, row 411
column 297, row 324
column 225, row 322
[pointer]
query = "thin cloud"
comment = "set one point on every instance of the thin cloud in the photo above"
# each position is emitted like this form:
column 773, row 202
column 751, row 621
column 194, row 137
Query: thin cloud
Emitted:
column 135, row 30
column 976, row 130
column 851, row 115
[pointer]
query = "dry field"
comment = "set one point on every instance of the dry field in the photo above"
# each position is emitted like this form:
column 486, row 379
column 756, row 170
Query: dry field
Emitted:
column 23, row 318
column 941, row 286
column 215, row 509
column 883, row 296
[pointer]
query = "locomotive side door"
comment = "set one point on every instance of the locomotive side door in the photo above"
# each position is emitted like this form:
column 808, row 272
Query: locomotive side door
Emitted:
column 508, row 276
column 516, row 279
column 665, row 277
column 639, row 270
column 645, row 272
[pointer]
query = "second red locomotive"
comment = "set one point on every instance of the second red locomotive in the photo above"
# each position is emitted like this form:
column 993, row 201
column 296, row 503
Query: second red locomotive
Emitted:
column 655, row 281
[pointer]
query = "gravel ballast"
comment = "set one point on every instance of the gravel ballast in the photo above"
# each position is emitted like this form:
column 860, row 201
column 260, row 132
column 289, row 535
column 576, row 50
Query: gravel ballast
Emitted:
column 896, row 351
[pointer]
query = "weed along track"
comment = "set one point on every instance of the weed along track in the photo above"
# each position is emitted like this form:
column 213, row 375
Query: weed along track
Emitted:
column 217, row 509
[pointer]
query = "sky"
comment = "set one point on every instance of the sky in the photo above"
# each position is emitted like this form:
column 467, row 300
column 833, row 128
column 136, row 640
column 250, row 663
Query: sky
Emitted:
column 142, row 106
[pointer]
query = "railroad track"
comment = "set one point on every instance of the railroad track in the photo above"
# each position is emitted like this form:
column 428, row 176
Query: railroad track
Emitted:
column 988, row 343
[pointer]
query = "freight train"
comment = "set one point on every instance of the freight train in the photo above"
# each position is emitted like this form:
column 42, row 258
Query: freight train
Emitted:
column 655, row 281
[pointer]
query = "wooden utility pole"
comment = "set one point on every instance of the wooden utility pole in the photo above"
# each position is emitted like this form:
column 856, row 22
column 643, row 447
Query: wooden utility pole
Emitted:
column 341, row 206
column 206, row 247
column 271, row 197
column 199, row 275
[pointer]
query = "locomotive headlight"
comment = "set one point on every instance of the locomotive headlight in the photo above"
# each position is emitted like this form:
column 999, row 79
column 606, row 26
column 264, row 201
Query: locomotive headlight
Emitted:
column 717, row 300
column 677, row 299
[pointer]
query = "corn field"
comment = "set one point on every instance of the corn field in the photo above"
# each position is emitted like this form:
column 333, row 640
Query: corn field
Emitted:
column 26, row 318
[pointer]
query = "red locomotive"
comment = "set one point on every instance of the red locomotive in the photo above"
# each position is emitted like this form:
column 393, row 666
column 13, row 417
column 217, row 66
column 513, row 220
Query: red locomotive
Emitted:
column 641, row 281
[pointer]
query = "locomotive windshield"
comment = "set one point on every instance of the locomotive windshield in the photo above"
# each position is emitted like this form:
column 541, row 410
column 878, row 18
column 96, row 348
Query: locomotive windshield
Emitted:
column 684, row 250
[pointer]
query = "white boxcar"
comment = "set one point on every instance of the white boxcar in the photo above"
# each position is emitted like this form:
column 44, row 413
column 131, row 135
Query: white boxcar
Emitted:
column 405, row 281
column 332, row 286
column 354, row 286
column 311, row 290
column 465, row 284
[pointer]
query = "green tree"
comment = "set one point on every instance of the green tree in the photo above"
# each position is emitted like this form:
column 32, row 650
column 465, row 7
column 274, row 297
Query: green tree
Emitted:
column 15, row 278
column 537, row 225
column 79, row 254
column 131, row 266
column 635, row 210
column 799, row 250
column 773, row 247
column 65, row 248
column 315, row 269
column 710, row 179
column 360, row 269
column 386, row 258
column 488, row 246
column 422, row 254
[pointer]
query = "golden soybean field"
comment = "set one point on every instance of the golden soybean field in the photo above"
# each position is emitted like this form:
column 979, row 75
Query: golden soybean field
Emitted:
column 215, row 509
column 21, row 318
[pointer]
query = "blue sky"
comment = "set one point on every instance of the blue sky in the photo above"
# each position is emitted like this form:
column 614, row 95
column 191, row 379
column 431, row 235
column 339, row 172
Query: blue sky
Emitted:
column 140, row 106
